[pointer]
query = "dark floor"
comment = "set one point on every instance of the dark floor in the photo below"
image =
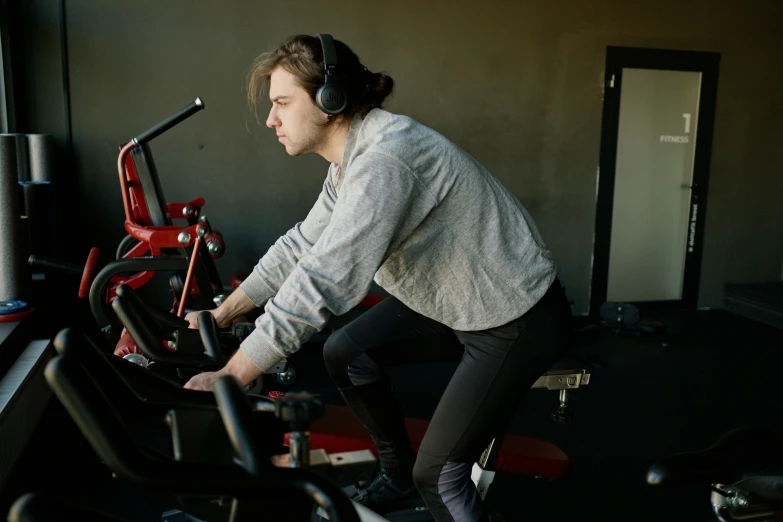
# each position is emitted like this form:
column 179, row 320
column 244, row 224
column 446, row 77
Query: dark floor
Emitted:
column 709, row 372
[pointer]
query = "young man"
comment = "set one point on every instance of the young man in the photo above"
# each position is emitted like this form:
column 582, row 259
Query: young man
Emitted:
column 469, row 275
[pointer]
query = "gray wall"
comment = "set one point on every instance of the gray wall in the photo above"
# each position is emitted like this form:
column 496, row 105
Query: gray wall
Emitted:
column 517, row 84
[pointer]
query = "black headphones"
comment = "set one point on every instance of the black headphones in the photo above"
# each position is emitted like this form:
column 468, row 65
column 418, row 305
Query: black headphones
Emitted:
column 330, row 97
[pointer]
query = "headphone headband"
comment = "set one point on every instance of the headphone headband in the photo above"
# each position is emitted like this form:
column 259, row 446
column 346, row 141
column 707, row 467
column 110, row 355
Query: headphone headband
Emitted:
column 330, row 52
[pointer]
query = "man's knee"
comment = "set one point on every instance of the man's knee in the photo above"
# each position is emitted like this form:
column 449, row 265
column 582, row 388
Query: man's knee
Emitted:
column 347, row 363
column 339, row 351
column 425, row 475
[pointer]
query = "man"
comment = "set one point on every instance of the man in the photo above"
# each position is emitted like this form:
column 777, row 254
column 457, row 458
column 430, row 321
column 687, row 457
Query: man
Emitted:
column 469, row 275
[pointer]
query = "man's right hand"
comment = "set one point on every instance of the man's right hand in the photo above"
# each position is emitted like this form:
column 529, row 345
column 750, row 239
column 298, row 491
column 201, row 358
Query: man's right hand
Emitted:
column 237, row 304
column 192, row 319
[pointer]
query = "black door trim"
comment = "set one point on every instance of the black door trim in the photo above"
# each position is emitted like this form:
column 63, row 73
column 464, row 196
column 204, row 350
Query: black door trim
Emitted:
column 618, row 58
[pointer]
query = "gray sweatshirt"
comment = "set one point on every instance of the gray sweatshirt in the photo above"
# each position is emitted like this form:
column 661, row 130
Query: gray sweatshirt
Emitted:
column 421, row 217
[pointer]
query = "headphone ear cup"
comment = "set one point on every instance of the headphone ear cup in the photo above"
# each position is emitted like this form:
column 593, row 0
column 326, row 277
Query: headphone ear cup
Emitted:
column 331, row 98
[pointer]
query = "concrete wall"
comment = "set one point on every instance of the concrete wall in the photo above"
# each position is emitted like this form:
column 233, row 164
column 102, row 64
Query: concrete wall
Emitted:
column 517, row 84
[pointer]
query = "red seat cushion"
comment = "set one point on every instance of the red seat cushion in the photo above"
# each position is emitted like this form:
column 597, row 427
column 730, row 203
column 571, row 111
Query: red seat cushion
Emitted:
column 339, row 430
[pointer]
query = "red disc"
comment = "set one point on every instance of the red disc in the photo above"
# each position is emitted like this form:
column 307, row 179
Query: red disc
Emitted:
column 276, row 394
column 12, row 318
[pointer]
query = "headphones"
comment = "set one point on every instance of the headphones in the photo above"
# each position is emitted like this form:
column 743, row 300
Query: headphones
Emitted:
column 330, row 97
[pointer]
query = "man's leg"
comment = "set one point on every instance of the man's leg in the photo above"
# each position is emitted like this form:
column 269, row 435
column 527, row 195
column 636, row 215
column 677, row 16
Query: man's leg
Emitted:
column 386, row 335
column 498, row 367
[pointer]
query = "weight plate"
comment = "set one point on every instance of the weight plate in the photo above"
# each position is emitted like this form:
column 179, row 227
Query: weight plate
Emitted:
column 12, row 307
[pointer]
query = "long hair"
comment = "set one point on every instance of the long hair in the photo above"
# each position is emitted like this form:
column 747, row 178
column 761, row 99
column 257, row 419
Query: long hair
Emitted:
column 302, row 56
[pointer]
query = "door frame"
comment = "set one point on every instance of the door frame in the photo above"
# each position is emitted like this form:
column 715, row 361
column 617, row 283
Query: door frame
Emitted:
column 6, row 85
column 618, row 58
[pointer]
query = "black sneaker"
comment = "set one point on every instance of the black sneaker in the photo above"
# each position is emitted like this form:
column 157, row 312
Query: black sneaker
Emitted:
column 384, row 493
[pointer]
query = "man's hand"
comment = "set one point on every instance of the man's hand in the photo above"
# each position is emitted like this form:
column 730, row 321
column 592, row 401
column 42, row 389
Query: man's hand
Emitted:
column 203, row 381
column 238, row 303
column 240, row 366
column 192, row 319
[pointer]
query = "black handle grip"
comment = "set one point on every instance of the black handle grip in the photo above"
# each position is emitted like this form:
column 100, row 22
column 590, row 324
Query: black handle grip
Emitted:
column 174, row 119
column 238, row 421
column 47, row 262
column 161, row 319
column 37, row 507
column 210, row 338
column 145, row 340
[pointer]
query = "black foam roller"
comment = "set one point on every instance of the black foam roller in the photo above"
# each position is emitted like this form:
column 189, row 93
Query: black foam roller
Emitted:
column 40, row 149
column 21, row 154
column 13, row 278
column 38, row 207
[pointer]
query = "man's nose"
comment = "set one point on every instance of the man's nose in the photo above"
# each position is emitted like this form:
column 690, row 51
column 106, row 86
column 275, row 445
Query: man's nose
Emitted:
column 272, row 120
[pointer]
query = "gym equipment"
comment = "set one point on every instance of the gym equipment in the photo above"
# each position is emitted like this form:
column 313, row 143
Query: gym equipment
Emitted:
column 14, row 310
column 86, row 272
column 18, row 146
column 154, row 243
column 42, row 161
column 330, row 97
column 197, row 445
column 13, row 276
column 38, row 204
column 744, row 469
column 163, row 337
column 166, row 339
column 37, row 507
column 337, row 435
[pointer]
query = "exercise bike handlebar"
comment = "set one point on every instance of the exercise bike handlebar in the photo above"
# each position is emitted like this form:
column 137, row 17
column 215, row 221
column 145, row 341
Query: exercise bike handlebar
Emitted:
column 146, row 341
column 171, row 121
column 208, row 328
column 237, row 418
column 161, row 318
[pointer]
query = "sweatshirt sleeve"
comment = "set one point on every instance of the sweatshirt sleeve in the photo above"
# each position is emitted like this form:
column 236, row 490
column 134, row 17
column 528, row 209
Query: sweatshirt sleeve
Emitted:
column 335, row 275
column 281, row 258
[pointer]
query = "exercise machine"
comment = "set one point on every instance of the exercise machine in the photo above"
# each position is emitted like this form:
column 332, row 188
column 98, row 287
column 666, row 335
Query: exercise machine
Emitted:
column 744, row 469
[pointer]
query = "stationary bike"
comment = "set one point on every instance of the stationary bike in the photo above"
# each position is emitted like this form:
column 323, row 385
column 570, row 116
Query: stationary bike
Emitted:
column 744, row 469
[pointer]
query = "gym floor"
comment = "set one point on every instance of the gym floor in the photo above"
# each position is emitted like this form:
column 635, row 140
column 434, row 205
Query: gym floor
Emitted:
column 650, row 396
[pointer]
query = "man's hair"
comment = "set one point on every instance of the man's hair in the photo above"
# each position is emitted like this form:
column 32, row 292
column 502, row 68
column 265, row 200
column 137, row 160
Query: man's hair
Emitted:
column 302, row 56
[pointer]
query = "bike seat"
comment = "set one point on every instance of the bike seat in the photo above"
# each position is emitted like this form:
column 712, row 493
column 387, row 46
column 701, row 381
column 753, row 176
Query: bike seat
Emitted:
column 748, row 457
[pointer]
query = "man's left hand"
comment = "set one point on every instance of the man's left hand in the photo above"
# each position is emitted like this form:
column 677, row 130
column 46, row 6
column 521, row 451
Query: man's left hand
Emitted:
column 240, row 366
column 203, row 381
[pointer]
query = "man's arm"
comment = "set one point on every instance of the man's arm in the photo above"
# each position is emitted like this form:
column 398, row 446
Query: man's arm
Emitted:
column 378, row 208
column 237, row 304
column 267, row 277
column 280, row 260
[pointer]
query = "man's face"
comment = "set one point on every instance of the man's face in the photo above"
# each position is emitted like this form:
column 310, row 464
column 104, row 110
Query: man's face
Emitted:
column 294, row 116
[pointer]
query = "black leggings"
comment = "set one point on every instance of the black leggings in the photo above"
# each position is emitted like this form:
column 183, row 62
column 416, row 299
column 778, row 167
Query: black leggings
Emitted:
column 497, row 367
